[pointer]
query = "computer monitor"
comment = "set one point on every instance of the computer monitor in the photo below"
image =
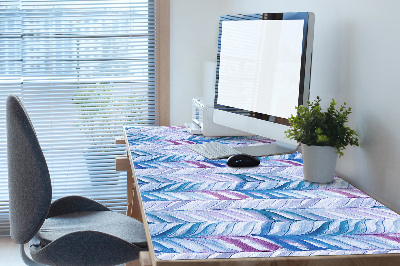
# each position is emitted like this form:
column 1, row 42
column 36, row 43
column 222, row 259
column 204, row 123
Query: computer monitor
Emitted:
column 263, row 72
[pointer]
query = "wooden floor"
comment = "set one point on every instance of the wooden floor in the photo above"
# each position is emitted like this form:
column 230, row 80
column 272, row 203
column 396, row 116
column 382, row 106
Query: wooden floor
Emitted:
column 9, row 253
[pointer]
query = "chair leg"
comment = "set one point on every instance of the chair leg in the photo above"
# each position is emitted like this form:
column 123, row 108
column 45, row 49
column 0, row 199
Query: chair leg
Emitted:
column 26, row 259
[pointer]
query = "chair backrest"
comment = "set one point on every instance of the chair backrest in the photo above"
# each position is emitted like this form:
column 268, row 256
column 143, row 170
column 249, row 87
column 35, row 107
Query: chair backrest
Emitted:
column 29, row 183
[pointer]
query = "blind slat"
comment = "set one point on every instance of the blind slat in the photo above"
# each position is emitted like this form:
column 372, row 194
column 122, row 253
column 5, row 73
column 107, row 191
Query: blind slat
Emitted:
column 83, row 69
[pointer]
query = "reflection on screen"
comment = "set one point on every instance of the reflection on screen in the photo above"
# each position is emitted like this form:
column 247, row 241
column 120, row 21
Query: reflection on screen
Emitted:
column 260, row 63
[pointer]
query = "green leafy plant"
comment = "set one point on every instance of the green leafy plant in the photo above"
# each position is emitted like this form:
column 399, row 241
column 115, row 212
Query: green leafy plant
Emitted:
column 312, row 126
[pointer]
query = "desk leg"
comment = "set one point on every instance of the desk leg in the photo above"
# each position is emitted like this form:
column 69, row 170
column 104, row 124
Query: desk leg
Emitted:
column 133, row 210
column 129, row 193
column 132, row 197
column 133, row 263
column 144, row 258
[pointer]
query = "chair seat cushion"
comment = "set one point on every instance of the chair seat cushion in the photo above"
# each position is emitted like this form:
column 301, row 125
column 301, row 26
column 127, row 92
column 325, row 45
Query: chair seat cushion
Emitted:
column 107, row 222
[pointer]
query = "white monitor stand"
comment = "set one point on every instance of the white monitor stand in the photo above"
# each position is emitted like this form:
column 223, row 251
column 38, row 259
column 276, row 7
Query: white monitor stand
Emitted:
column 259, row 127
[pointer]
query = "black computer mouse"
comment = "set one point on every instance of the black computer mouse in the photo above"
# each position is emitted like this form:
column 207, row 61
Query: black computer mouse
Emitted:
column 242, row 160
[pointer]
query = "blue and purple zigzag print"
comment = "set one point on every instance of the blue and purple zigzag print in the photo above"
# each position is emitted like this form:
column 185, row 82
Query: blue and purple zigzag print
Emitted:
column 199, row 209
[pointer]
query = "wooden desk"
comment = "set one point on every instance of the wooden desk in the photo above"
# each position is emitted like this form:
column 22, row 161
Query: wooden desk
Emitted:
column 201, row 212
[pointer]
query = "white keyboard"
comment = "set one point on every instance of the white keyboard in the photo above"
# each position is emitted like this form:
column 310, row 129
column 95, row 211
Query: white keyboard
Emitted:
column 214, row 150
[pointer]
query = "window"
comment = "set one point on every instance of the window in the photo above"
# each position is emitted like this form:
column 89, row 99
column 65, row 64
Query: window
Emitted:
column 82, row 69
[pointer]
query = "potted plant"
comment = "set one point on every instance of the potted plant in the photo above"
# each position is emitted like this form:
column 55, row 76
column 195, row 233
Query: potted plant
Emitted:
column 323, row 135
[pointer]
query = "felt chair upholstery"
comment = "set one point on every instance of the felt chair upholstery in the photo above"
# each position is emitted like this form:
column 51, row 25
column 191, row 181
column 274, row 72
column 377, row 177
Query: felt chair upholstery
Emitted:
column 72, row 230
column 70, row 204
column 85, row 248
column 28, row 176
column 100, row 221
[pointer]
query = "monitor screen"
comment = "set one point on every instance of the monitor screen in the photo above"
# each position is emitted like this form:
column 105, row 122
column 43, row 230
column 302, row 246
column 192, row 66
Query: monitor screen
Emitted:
column 260, row 63
column 263, row 71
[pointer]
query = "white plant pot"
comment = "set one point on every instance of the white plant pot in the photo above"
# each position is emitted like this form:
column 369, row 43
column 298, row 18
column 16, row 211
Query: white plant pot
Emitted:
column 319, row 163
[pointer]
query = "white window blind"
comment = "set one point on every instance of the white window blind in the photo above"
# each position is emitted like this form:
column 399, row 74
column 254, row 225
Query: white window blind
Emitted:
column 82, row 69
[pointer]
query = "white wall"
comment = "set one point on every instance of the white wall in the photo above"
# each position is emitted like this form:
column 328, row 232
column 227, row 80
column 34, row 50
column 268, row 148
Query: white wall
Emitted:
column 356, row 59
column 194, row 41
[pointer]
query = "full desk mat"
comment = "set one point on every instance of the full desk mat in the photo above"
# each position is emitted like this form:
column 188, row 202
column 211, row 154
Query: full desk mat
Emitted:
column 198, row 208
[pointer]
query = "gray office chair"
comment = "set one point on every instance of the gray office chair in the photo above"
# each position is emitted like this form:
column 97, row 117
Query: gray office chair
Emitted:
column 70, row 231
